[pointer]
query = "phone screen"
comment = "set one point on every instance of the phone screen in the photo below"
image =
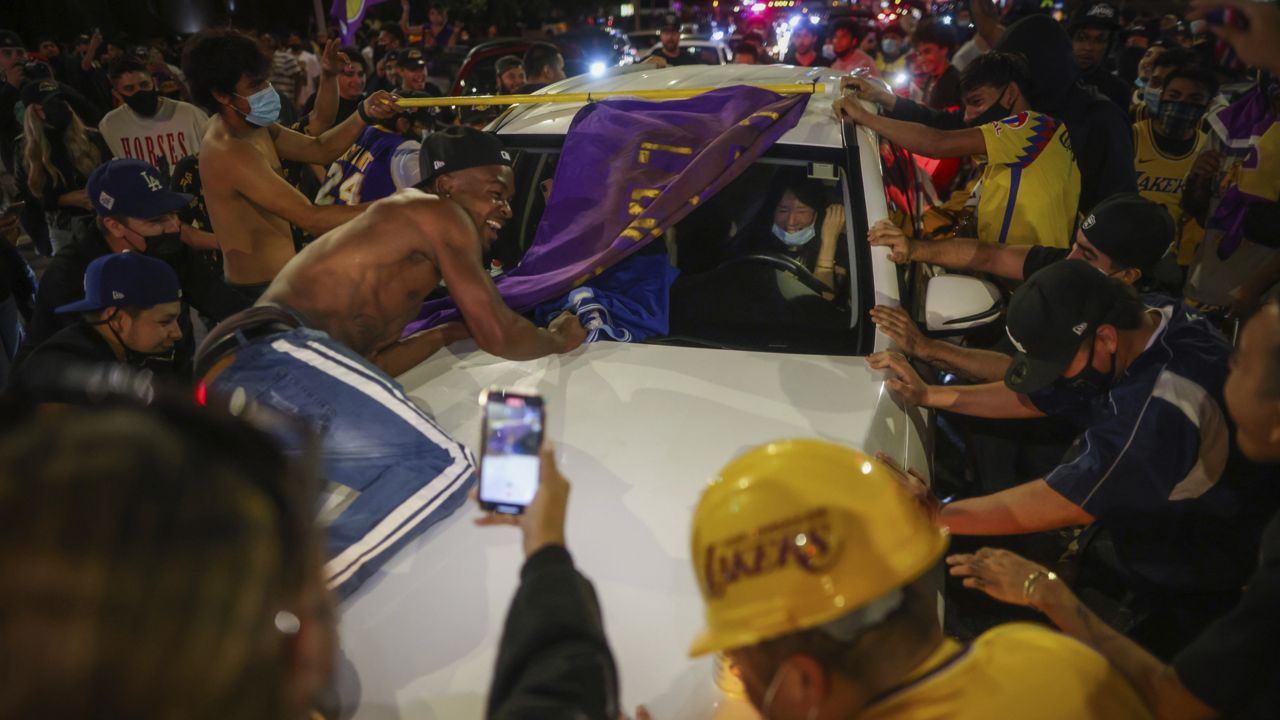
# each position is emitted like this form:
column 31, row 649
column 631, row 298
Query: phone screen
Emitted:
column 509, row 456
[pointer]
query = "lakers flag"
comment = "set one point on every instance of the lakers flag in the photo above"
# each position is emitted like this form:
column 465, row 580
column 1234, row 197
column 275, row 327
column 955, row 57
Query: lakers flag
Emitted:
column 629, row 170
column 350, row 13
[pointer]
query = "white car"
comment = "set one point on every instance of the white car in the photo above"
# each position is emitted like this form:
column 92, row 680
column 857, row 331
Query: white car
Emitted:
column 639, row 429
column 708, row 52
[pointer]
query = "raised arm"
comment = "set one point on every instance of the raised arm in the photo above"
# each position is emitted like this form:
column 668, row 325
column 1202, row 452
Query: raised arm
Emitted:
column 919, row 139
column 497, row 329
column 404, row 21
column 325, row 110
column 330, row 145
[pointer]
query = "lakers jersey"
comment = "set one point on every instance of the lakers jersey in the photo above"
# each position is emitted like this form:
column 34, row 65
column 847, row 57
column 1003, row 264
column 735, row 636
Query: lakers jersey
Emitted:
column 380, row 162
column 1162, row 178
column 1031, row 185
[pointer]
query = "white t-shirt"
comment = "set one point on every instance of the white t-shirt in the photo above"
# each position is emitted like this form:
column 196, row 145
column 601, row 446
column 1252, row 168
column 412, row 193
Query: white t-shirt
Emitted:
column 310, row 75
column 173, row 133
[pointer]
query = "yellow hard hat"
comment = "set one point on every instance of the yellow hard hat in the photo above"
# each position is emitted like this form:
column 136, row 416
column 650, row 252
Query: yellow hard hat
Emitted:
column 798, row 533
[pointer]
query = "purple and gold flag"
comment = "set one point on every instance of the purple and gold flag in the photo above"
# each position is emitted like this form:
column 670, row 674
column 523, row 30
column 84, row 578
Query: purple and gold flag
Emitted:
column 350, row 13
column 629, row 170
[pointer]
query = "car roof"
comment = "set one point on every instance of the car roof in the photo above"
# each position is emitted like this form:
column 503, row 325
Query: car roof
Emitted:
column 817, row 128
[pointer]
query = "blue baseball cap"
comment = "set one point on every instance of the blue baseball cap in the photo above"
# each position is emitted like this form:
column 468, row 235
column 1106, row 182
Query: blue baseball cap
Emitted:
column 126, row 279
column 131, row 188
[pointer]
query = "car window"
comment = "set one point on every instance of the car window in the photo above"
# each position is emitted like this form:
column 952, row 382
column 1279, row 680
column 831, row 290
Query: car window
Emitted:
column 481, row 77
column 748, row 257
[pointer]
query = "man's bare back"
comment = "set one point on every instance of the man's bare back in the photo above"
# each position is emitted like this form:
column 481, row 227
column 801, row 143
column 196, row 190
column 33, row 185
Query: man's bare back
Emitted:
column 255, row 243
column 364, row 281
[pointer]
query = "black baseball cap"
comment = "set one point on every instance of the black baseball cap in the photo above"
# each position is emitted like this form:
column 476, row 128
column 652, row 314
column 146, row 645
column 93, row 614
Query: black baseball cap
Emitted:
column 411, row 58
column 458, row 148
column 10, row 39
column 670, row 22
column 132, row 188
column 37, row 92
column 126, row 279
column 471, row 114
column 1051, row 316
column 1098, row 15
column 1132, row 230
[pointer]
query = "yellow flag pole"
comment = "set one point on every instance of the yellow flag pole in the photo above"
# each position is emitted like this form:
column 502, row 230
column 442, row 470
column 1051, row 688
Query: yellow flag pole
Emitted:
column 577, row 97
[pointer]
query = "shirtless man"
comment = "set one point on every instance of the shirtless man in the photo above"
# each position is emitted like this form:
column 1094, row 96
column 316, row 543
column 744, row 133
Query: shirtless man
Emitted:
column 324, row 340
column 250, row 204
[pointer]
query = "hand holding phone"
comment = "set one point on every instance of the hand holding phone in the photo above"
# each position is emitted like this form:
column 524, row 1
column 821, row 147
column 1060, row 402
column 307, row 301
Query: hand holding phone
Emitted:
column 511, row 438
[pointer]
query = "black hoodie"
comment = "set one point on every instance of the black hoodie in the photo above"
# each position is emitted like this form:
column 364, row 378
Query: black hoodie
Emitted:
column 1100, row 133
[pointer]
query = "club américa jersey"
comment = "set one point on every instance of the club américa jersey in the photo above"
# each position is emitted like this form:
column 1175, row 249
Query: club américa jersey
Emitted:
column 1030, row 188
column 380, row 162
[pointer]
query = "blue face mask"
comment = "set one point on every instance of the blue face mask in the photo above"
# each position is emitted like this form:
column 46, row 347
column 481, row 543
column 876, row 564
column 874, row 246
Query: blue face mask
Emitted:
column 1151, row 98
column 264, row 107
column 794, row 239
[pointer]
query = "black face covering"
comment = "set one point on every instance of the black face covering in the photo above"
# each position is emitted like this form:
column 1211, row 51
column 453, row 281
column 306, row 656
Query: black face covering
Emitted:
column 143, row 102
column 997, row 111
column 164, row 244
column 57, row 114
column 1091, row 382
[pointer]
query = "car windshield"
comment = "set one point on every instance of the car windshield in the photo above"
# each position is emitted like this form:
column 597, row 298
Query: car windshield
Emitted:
column 754, row 271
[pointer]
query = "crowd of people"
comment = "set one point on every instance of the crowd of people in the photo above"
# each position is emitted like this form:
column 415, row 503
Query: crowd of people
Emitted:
column 1116, row 173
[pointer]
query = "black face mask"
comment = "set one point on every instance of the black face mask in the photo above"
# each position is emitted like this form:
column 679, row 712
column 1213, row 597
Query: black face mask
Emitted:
column 995, row 112
column 143, row 102
column 57, row 115
column 1091, row 382
column 168, row 243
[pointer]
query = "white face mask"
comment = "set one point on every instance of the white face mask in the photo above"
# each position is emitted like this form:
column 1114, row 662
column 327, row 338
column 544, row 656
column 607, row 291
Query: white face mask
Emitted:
column 794, row 239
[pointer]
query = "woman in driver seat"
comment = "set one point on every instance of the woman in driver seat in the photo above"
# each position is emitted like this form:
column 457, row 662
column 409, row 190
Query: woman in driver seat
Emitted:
column 796, row 221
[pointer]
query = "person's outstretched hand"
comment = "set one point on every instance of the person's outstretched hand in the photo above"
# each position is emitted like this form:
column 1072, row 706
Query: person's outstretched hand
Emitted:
column 901, row 329
column 568, row 329
column 1258, row 44
column 902, row 379
column 542, row 523
column 998, row 573
column 886, row 234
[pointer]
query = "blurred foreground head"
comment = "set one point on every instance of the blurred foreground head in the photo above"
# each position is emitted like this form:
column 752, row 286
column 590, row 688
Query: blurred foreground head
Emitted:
column 159, row 561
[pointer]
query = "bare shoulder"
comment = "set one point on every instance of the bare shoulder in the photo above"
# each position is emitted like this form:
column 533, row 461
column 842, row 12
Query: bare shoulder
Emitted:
column 429, row 214
column 226, row 154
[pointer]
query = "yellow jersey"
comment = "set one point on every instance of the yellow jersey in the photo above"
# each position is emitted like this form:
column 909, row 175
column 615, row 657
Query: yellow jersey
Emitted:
column 1030, row 188
column 1161, row 179
column 1019, row 670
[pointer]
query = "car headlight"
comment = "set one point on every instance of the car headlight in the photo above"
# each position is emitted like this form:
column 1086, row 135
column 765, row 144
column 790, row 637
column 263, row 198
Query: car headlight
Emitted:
column 597, row 69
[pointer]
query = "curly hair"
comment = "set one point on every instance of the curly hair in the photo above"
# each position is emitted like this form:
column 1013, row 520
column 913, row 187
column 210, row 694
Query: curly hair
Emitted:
column 215, row 60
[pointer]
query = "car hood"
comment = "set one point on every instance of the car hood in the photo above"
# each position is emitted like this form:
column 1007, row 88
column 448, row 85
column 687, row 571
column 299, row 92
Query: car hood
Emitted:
column 639, row 430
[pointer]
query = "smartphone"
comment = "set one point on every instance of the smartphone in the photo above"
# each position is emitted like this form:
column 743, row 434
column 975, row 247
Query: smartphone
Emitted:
column 15, row 208
column 510, row 438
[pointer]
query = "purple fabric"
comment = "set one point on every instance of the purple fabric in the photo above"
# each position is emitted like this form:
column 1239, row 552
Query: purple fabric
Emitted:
column 1239, row 125
column 350, row 13
column 629, row 170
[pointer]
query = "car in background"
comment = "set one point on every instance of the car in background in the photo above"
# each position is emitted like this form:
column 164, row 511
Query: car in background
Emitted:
column 584, row 51
column 707, row 51
column 758, row 350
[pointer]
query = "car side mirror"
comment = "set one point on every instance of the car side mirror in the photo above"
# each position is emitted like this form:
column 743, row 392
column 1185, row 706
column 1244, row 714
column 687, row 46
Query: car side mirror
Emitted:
column 956, row 303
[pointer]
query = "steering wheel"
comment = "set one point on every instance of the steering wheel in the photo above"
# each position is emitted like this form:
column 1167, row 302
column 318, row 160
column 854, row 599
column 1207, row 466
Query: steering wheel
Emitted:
column 785, row 263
